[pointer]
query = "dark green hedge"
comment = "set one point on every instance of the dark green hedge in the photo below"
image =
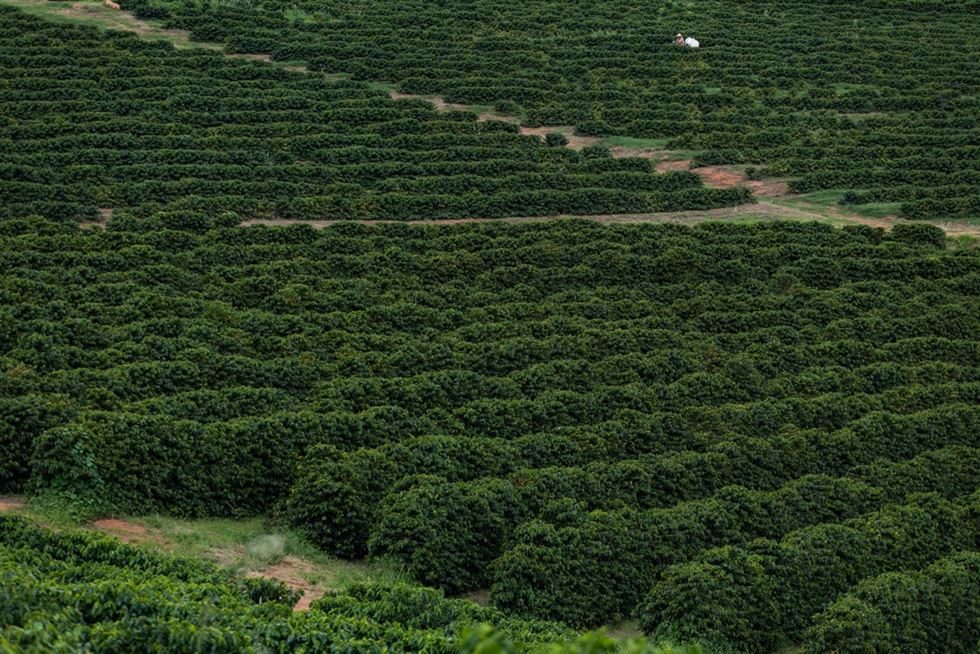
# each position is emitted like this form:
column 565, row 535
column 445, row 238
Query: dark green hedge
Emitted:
column 910, row 611
column 757, row 597
column 418, row 526
column 553, row 568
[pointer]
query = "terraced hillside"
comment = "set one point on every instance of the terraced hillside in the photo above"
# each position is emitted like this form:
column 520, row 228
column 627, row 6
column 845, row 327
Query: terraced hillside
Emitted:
column 220, row 337
column 877, row 98
column 104, row 120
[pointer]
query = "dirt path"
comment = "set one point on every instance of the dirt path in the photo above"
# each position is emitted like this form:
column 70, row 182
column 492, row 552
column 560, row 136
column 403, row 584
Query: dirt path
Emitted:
column 11, row 503
column 439, row 104
column 761, row 211
column 129, row 532
column 96, row 13
column 92, row 12
column 575, row 142
column 295, row 572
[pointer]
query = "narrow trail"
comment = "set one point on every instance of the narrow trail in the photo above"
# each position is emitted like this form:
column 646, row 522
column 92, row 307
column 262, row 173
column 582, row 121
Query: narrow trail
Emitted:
column 11, row 503
column 92, row 12
column 293, row 571
column 761, row 211
column 98, row 13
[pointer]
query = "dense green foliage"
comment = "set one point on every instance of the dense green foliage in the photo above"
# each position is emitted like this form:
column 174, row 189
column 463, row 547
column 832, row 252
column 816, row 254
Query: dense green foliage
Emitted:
column 75, row 592
column 106, row 120
column 86, row 592
column 743, row 436
column 180, row 348
column 553, row 560
column 571, row 412
column 881, row 97
column 905, row 612
column 755, row 597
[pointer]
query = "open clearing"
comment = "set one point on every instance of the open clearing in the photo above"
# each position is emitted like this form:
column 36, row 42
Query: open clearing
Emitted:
column 762, row 211
column 245, row 547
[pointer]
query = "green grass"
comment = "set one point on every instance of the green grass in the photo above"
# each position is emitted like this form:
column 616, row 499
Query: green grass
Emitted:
column 963, row 242
column 295, row 15
column 847, row 88
column 630, row 142
column 103, row 18
column 241, row 546
column 480, row 108
column 650, row 144
column 827, row 201
column 251, row 545
column 387, row 87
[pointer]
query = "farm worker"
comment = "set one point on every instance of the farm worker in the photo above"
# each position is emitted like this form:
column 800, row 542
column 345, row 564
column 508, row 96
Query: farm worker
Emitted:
column 679, row 39
column 692, row 42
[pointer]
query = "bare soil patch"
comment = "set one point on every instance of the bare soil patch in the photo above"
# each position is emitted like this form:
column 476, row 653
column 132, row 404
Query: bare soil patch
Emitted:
column 720, row 177
column 128, row 532
column 768, row 188
column 668, row 166
column 295, row 573
column 10, row 504
column 575, row 142
column 729, row 177
column 623, row 152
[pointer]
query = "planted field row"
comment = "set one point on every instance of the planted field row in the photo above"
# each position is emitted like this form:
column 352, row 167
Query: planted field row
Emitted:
column 771, row 589
column 905, row 611
column 489, row 404
column 455, row 553
column 781, row 84
column 134, row 325
column 99, row 120
column 555, row 555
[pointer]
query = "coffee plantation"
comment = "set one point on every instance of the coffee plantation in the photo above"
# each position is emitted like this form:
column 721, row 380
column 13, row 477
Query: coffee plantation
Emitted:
column 109, row 121
column 83, row 592
column 639, row 430
column 877, row 97
column 569, row 414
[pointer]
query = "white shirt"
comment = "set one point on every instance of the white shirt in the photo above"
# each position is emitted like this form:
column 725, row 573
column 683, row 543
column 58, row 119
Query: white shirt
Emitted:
column 692, row 43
